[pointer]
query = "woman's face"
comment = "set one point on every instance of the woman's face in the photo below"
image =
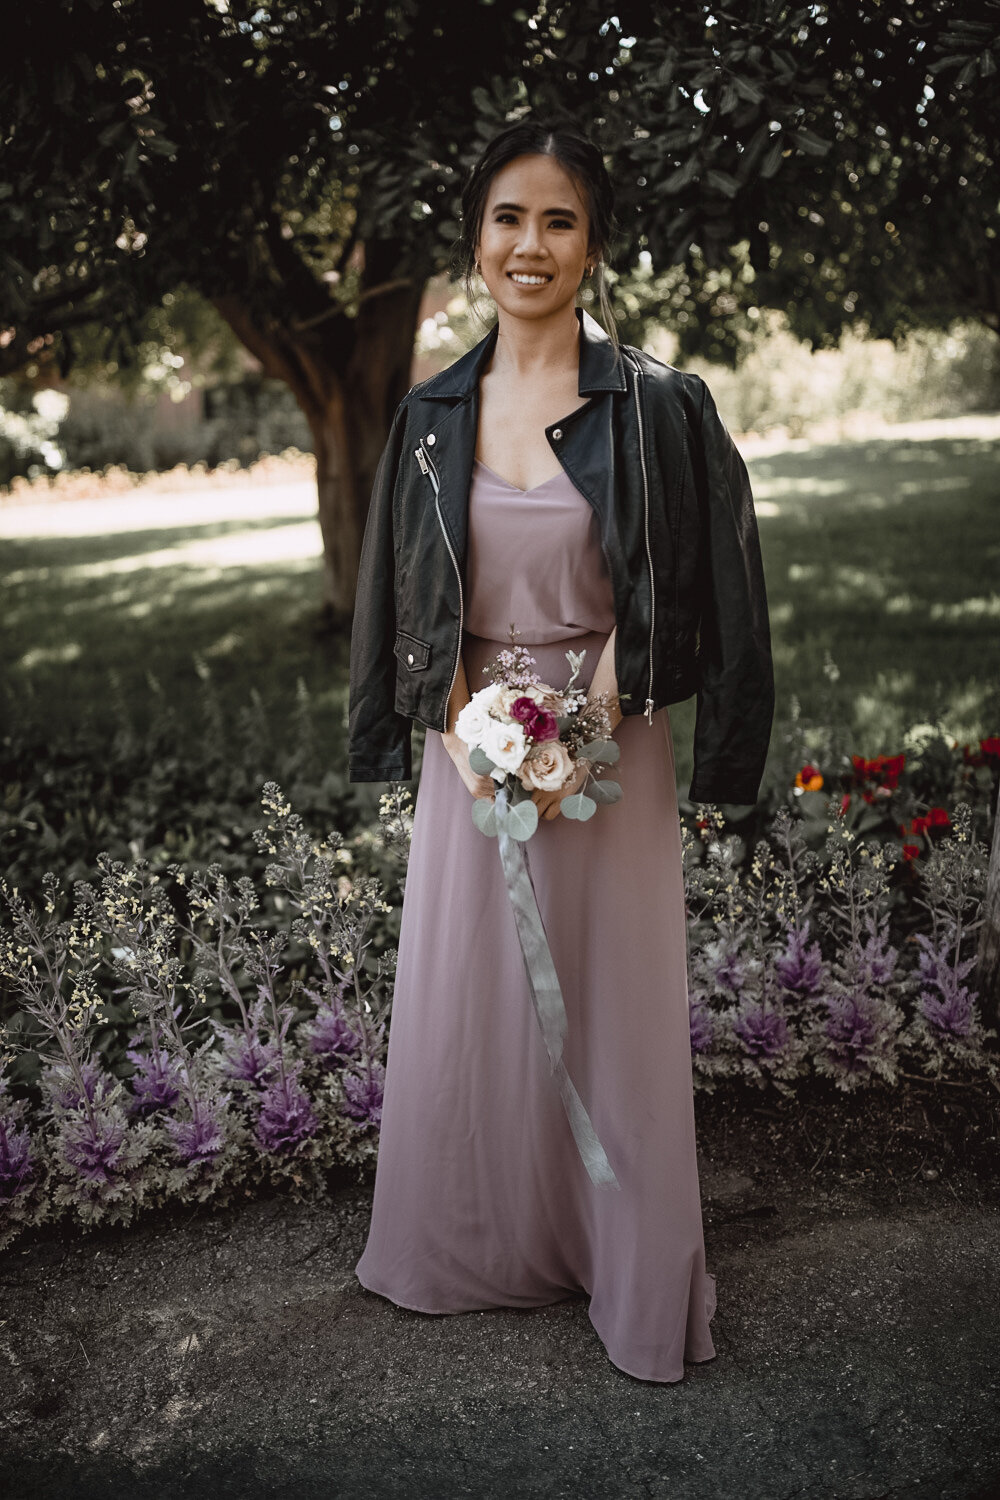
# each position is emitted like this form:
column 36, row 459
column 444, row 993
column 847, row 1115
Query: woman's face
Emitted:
column 533, row 243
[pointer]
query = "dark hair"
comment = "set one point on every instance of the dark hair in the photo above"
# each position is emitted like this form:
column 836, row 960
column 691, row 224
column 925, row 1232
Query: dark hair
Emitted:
column 585, row 164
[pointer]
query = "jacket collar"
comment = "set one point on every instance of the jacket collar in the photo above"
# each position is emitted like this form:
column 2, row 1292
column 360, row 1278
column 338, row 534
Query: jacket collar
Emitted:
column 600, row 367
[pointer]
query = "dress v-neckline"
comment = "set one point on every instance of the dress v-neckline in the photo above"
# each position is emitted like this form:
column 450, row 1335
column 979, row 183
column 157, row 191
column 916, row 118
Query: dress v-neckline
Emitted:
column 516, row 488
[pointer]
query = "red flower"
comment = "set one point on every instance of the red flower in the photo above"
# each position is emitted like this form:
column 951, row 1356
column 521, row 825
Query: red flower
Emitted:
column 991, row 747
column 845, row 803
column 911, row 851
column 938, row 817
column 884, row 770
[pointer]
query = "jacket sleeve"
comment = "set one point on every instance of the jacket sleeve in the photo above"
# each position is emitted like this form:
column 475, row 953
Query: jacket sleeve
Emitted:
column 378, row 736
column 735, row 703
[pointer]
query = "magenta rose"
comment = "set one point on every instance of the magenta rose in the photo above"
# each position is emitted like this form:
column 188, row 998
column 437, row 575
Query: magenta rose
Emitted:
column 523, row 709
column 542, row 726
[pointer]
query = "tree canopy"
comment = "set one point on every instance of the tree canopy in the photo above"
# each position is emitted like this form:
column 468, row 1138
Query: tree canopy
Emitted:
column 298, row 162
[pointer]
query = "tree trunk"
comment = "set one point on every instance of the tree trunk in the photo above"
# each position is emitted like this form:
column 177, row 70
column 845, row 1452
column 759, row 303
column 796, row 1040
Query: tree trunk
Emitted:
column 988, row 957
column 348, row 375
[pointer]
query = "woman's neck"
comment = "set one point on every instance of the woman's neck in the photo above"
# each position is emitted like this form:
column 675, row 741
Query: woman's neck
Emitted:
column 532, row 348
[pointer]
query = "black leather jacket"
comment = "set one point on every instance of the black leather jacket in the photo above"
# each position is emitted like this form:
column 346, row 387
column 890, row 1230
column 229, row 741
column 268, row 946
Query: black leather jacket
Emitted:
column 677, row 523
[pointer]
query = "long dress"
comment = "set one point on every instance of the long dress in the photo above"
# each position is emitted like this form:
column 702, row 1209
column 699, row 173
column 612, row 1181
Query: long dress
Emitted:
column 481, row 1198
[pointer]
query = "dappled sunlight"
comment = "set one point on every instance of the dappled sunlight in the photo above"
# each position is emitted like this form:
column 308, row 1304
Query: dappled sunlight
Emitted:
column 49, row 656
column 968, row 609
column 234, row 550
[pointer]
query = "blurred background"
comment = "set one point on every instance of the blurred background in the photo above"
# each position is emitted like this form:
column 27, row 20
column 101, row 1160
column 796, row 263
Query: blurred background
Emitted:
column 225, row 253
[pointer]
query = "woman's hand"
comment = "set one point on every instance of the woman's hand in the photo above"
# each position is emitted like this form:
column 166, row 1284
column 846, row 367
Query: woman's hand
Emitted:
column 548, row 802
column 479, row 786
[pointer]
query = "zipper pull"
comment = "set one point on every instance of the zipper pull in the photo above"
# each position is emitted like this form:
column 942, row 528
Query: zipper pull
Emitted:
column 649, row 711
column 421, row 460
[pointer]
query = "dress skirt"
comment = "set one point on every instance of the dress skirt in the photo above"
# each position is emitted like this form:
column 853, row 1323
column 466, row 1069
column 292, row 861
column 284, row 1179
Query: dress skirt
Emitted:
column 481, row 1198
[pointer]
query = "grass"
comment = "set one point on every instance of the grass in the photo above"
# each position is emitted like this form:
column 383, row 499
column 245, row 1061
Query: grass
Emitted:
column 882, row 560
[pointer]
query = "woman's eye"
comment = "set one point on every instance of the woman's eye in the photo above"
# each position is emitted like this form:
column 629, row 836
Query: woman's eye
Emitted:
column 560, row 224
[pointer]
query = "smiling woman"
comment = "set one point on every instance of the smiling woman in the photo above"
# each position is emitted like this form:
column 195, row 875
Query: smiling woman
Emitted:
column 531, row 484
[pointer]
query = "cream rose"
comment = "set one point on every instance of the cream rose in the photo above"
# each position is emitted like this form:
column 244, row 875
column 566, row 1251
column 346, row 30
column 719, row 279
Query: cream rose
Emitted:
column 505, row 745
column 547, row 768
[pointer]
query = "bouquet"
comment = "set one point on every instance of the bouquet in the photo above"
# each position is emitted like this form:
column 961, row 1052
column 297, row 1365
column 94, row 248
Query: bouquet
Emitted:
column 529, row 736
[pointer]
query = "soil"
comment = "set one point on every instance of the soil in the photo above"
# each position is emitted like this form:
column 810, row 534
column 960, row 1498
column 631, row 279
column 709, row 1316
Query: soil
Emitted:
column 233, row 1352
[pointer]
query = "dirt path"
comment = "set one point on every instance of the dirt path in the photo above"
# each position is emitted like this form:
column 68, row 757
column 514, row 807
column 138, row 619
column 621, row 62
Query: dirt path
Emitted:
column 234, row 1354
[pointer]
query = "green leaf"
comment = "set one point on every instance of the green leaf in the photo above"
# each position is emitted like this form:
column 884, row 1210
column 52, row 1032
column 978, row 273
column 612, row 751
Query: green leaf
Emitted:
column 605, row 791
column 480, row 761
column 604, row 750
column 521, row 821
column 484, row 815
column 579, row 806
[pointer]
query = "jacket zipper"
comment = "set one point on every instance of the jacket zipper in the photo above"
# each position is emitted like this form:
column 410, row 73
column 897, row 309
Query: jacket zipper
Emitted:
column 649, row 554
column 427, row 468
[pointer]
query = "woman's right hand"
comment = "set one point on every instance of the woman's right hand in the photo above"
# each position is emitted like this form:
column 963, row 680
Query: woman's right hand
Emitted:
column 479, row 786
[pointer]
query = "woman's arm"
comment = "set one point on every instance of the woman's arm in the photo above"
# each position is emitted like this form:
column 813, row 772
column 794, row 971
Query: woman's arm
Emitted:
column 479, row 786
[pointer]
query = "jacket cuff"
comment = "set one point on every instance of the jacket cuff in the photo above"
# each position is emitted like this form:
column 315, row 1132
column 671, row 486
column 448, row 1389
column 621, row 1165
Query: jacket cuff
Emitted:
column 732, row 793
column 380, row 770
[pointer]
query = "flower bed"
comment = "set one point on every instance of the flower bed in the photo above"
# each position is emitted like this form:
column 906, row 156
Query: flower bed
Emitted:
column 840, row 946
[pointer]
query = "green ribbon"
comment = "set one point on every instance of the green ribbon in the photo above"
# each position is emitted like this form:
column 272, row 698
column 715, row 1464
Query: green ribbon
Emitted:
column 543, row 982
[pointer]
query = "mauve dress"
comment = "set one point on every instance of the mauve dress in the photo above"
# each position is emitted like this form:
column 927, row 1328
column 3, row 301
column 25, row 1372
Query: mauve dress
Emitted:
column 481, row 1198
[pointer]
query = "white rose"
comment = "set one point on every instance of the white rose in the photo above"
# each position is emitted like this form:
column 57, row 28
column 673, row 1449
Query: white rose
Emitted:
column 471, row 723
column 505, row 745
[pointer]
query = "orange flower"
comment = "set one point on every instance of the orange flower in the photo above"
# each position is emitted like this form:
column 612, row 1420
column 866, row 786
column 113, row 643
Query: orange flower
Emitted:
column 808, row 779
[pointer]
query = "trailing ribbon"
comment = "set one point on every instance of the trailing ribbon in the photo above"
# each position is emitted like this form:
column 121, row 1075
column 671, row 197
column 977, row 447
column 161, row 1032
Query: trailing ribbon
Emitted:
column 546, row 994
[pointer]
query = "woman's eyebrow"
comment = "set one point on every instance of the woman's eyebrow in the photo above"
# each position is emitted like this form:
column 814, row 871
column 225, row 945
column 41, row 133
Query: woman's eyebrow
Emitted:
column 518, row 208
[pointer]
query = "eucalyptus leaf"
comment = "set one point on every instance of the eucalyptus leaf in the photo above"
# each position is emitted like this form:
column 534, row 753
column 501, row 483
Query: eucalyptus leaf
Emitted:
column 607, row 751
column 579, row 806
column 480, row 761
column 605, row 791
column 521, row 821
column 484, row 815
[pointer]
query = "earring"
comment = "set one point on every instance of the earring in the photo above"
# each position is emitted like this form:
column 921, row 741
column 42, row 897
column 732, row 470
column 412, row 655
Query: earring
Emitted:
column 590, row 272
column 479, row 269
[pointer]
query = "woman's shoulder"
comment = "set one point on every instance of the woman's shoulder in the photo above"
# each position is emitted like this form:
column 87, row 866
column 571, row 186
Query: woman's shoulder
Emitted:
column 665, row 382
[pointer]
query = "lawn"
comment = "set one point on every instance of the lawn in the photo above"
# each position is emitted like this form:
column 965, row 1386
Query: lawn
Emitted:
column 882, row 560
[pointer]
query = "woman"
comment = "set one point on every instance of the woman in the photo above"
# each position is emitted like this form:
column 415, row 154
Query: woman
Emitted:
column 590, row 496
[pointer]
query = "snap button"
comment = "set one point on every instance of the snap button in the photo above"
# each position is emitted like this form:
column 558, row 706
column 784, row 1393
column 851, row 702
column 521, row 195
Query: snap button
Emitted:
column 431, row 440
column 409, row 659
column 558, row 433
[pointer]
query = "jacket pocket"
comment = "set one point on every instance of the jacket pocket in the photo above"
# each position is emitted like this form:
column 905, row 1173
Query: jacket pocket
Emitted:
column 414, row 654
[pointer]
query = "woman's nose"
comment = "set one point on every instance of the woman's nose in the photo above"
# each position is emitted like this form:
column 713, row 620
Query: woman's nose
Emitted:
column 530, row 239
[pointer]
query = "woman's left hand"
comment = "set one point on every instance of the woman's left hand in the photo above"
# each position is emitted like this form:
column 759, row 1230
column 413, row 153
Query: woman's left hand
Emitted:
column 548, row 802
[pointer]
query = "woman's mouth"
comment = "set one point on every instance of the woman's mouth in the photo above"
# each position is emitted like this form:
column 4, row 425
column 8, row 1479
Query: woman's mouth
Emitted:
column 523, row 278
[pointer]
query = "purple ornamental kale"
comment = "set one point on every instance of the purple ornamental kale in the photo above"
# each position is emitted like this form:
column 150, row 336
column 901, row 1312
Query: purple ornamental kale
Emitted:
column 722, row 964
column 762, row 1032
column 17, row 1167
column 701, row 1023
column 246, row 1059
column 62, row 1090
column 286, row 1115
column 199, row 1140
column 800, row 968
column 851, row 1031
column 364, row 1088
column 945, row 1002
column 331, row 1037
column 92, row 1143
column 154, row 1083
column 873, row 963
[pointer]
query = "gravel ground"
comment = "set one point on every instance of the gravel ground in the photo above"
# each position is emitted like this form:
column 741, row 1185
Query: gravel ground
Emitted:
column 233, row 1353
